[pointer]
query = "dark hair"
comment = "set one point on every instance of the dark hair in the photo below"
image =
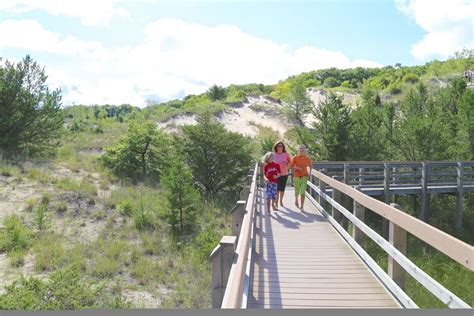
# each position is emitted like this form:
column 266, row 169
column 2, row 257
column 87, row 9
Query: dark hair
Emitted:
column 278, row 143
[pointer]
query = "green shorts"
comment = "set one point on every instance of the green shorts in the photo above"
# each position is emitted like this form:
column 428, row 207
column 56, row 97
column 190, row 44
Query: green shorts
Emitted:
column 300, row 184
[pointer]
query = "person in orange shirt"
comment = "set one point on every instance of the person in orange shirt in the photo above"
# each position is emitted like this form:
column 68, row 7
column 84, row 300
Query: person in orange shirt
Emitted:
column 300, row 164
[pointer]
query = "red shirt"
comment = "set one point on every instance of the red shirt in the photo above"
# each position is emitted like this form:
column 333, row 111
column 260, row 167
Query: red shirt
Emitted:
column 271, row 169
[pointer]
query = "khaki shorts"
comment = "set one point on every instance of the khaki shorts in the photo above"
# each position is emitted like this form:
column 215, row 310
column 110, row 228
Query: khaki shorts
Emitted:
column 300, row 184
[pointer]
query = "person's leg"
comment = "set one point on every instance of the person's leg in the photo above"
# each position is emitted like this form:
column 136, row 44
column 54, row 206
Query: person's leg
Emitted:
column 281, row 189
column 274, row 196
column 302, row 190
column 268, row 195
column 296, row 181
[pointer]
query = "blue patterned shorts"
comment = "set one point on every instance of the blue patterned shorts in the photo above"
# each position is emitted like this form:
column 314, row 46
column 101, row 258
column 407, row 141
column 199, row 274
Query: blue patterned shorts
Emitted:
column 271, row 192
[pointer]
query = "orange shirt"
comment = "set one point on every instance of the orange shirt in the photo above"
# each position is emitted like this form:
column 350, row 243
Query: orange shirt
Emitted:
column 302, row 161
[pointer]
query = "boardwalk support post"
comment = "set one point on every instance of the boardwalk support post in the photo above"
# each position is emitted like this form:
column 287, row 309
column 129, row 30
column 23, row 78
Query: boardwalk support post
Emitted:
column 221, row 262
column 397, row 236
column 387, row 196
column 238, row 212
column 459, row 193
column 424, row 192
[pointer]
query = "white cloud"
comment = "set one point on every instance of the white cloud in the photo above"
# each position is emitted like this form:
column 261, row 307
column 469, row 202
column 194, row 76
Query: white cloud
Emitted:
column 175, row 58
column 30, row 35
column 449, row 25
column 90, row 12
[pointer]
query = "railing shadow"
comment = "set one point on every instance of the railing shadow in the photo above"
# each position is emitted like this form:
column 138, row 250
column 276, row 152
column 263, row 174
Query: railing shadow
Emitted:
column 266, row 278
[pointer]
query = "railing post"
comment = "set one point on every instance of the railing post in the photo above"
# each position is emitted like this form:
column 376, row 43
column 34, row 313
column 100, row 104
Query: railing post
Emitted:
column 337, row 196
column 359, row 212
column 424, row 192
column 398, row 238
column 459, row 193
column 387, row 196
column 346, row 173
column 221, row 262
column 322, row 187
column 238, row 213
column 361, row 173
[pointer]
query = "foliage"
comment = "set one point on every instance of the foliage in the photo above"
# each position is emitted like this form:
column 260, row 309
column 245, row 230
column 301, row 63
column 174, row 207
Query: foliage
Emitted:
column 367, row 138
column 31, row 114
column 63, row 291
column 297, row 102
column 140, row 154
column 15, row 235
column 216, row 92
column 215, row 167
column 182, row 198
column 332, row 128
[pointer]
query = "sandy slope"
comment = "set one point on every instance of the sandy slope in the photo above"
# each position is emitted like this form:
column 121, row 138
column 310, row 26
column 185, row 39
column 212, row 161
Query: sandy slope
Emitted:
column 256, row 111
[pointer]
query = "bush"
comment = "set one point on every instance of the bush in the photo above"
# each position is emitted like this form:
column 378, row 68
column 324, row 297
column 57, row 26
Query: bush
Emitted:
column 63, row 291
column 216, row 93
column 15, row 236
column 50, row 253
column 394, row 89
column 139, row 155
column 40, row 218
column 145, row 270
column 331, row 82
column 126, row 208
column 30, row 204
column 410, row 78
column 17, row 258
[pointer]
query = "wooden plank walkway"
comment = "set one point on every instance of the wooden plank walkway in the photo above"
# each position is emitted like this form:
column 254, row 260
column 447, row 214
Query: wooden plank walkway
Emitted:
column 300, row 261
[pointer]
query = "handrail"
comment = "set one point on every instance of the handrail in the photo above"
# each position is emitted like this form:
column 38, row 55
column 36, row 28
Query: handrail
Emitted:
column 235, row 284
column 454, row 248
column 428, row 282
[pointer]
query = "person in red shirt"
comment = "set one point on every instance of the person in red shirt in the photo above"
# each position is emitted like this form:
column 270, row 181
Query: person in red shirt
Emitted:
column 272, row 172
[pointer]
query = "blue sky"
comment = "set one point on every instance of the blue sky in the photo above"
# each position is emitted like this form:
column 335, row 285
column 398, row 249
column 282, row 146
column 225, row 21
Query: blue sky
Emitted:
column 123, row 51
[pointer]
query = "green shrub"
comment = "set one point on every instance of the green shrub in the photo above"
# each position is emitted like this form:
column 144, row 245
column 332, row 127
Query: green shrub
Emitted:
column 395, row 89
column 331, row 82
column 104, row 267
column 410, row 78
column 63, row 291
column 145, row 270
column 45, row 198
column 152, row 244
column 205, row 242
column 50, row 253
column 17, row 258
column 15, row 236
column 40, row 218
column 30, row 204
column 126, row 208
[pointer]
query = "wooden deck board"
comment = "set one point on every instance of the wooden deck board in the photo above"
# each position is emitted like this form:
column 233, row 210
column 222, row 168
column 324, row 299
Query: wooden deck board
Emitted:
column 300, row 261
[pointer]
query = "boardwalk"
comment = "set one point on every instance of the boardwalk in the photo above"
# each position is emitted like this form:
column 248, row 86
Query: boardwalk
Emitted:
column 300, row 261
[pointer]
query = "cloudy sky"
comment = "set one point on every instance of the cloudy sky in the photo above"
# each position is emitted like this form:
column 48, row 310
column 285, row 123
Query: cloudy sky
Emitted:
column 131, row 51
